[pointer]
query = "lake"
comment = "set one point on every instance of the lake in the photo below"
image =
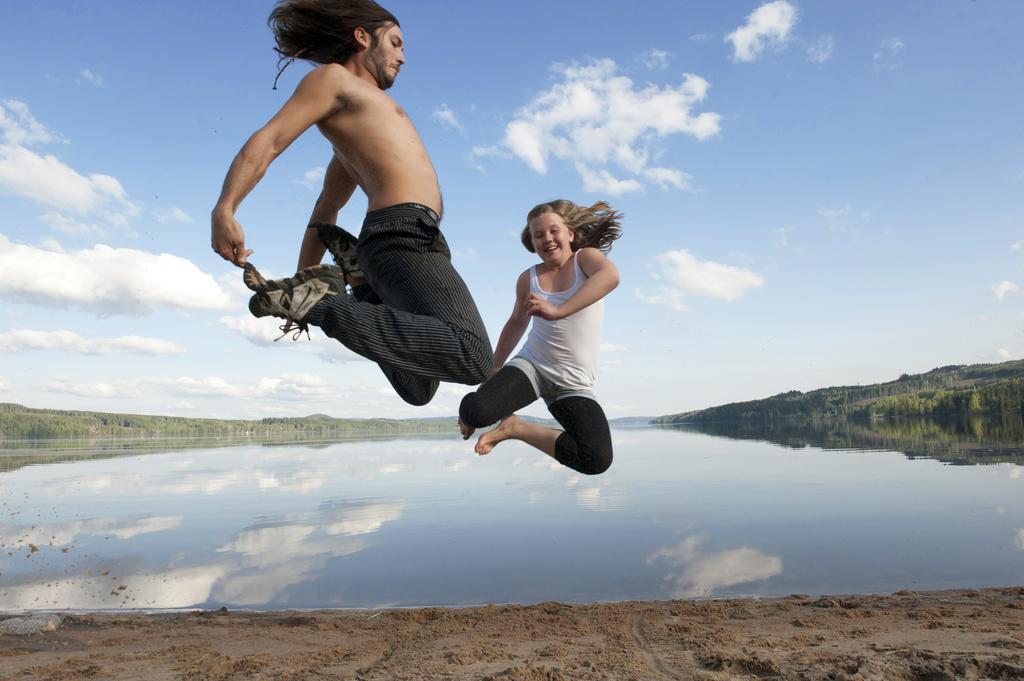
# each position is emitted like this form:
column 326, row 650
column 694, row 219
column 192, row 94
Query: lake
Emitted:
column 424, row 521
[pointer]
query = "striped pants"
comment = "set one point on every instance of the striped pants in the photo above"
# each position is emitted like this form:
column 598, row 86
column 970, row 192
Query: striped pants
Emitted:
column 414, row 316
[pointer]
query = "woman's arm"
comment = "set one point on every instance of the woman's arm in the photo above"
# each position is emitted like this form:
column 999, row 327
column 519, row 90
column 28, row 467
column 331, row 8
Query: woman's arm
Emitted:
column 602, row 278
column 516, row 325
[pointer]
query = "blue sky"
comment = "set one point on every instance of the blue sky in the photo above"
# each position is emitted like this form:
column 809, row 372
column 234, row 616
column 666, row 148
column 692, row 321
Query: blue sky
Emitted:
column 815, row 194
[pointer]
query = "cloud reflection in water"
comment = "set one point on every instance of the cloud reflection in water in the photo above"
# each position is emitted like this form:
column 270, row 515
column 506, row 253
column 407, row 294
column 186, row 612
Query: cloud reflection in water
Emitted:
column 696, row 573
column 256, row 567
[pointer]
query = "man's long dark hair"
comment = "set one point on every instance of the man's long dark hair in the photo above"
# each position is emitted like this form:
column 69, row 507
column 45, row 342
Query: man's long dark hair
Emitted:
column 322, row 30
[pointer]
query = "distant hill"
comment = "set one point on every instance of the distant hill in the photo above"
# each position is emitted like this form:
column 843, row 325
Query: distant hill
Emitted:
column 949, row 390
column 19, row 422
column 956, row 440
column 630, row 421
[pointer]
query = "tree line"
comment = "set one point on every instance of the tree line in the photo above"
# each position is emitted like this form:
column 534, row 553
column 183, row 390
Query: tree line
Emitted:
column 19, row 422
column 950, row 390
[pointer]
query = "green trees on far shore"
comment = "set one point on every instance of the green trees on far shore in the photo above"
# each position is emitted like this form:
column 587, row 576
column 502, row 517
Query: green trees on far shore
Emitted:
column 19, row 422
column 946, row 391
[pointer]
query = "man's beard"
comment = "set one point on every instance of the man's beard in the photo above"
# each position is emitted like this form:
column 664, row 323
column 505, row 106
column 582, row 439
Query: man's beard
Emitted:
column 379, row 68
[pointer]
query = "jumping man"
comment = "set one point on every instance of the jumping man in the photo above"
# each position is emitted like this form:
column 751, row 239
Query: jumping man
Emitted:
column 409, row 309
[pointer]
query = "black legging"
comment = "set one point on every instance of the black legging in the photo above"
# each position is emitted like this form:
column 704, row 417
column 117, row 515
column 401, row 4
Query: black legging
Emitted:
column 584, row 446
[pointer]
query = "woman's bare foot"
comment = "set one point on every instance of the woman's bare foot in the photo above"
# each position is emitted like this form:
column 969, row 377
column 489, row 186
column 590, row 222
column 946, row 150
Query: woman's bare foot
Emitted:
column 465, row 430
column 505, row 430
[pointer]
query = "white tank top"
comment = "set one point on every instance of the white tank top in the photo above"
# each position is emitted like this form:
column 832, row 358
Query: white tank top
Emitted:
column 565, row 350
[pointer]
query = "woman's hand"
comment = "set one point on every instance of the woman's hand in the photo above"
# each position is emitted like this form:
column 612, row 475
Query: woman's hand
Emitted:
column 538, row 307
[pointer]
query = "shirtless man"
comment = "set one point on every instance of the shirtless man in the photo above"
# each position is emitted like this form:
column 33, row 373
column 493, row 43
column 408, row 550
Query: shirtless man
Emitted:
column 412, row 314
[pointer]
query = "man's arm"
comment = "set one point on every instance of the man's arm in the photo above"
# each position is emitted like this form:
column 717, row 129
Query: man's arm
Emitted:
column 315, row 98
column 516, row 325
column 338, row 188
column 602, row 278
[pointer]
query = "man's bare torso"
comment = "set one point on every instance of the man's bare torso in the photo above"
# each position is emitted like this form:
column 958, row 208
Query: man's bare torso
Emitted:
column 378, row 146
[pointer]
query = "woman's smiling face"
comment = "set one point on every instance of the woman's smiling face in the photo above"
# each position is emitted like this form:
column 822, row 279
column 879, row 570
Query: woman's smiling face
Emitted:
column 551, row 237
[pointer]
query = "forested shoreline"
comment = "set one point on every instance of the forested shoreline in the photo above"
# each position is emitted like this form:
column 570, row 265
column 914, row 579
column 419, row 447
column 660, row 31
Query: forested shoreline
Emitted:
column 958, row 390
column 956, row 440
column 945, row 391
column 20, row 422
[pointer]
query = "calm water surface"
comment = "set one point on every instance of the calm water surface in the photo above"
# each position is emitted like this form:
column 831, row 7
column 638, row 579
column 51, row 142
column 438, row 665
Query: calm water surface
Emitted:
column 426, row 522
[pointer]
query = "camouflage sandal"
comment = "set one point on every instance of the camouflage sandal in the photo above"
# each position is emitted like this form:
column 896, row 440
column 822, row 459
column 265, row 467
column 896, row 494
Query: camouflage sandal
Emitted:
column 292, row 298
column 342, row 247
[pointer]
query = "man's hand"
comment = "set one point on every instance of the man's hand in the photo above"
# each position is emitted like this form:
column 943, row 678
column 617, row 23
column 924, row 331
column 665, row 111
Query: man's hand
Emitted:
column 538, row 307
column 228, row 239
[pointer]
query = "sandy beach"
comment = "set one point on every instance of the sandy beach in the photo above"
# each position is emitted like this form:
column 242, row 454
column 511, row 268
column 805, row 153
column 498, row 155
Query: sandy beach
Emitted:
column 962, row 634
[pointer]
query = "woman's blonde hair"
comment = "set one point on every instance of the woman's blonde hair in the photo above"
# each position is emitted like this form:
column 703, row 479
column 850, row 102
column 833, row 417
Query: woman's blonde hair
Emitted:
column 596, row 226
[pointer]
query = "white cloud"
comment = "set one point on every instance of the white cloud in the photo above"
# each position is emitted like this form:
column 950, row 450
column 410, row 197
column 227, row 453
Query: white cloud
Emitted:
column 1005, row 354
column 173, row 214
column 886, row 57
column 47, row 179
column 19, row 126
column 312, row 178
column 484, row 151
column 467, row 254
column 90, row 390
column 668, row 177
column 603, row 182
column 892, row 45
column 265, row 331
column 1019, row 539
column 286, row 387
column 72, row 227
column 1016, row 246
column 769, row 24
column 701, row 37
column 655, row 58
column 595, row 118
column 838, row 219
column 4, row 385
column 232, row 283
column 682, row 275
column 106, row 280
column 211, row 386
column 19, row 340
column 782, row 235
column 702, row 573
column 611, row 347
column 489, row 151
column 261, row 331
column 835, row 213
column 446, row 117
column 90, row 77
column 1003, row 288
column 290, row 386
column 821, row 50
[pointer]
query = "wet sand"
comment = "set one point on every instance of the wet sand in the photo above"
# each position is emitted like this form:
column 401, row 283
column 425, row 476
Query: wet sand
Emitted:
column 914, row 636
